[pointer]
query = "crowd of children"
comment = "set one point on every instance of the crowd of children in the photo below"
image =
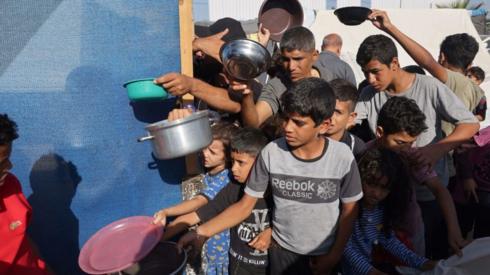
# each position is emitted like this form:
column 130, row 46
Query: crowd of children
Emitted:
column 309, row 196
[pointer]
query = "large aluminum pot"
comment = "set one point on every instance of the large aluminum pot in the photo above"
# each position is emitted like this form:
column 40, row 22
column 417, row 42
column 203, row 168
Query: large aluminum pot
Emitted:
column 172, row 139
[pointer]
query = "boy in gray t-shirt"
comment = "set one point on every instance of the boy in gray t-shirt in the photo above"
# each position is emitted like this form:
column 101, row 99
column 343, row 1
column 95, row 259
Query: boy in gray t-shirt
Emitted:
column 314, row 183
column 377, row 55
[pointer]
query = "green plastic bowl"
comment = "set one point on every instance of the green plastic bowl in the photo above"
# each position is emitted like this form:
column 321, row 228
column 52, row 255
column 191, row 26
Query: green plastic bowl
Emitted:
column 145, row 89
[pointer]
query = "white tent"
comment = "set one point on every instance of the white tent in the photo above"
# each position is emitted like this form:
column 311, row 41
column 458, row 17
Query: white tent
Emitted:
column 426, row 26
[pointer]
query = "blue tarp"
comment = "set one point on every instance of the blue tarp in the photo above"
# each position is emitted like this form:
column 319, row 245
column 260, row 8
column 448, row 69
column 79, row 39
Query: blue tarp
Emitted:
column 62, row 66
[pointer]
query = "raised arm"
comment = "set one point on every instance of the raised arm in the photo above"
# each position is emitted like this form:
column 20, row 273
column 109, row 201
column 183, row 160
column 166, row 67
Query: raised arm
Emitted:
column 253, row 114
column 423, row 58
column 179, row 84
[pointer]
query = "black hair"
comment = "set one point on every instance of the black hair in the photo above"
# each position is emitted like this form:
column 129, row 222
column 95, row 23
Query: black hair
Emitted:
column 298, row 38
column 345, row 91
column 224, row 131
column 248, row 140
column 8, row 130
column 400, row 114
column 378, row 163
column 414, row 69
column 459, row 49
column 312, row 97
column 477, row 72
column 376, row 47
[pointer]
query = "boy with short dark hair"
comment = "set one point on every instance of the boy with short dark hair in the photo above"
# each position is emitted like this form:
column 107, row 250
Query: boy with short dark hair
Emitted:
column 344, row 115
column 400, row 122
column 17, row 253
column 477, row 75
column 456, row 53
column 250, row 239
column 377, row 56
column 298, row 56
column 314, row 183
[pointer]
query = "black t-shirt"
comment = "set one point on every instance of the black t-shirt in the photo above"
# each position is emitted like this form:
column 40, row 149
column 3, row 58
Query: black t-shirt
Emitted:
column 244, row 232
column 357, row 145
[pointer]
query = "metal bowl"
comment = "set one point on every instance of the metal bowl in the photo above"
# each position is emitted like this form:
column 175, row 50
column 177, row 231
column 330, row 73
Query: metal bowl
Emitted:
column 244, row 59
column 352, row 15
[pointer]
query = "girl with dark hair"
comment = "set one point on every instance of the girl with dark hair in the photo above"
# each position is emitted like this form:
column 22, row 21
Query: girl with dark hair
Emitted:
column 387, row 193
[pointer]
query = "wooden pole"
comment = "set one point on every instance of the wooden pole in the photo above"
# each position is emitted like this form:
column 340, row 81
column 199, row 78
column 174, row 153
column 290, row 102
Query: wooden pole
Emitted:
column 186, row 36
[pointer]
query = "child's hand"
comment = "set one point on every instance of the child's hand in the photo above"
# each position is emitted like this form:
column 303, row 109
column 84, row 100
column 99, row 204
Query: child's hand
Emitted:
column 263, row 240
column 456, row 240
column 175, row 83
column 160, row 217
column 179, row 113
column 380, row 19
column 241, row 87
column 191, row 242
column 263, row 35
column 429, row 265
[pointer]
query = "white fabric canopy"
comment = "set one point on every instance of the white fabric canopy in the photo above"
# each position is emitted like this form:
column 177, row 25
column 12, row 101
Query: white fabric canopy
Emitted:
column 426, row 26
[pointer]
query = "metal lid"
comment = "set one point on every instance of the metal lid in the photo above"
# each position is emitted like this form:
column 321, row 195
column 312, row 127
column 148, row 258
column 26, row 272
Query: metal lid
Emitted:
column 165, row 123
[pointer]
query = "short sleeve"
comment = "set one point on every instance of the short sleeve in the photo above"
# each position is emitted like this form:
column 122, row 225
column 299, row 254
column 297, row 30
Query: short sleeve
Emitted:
column 351, row 189
column 269, row 95
column 451, row 107
column 226, row 197
column 259, row 178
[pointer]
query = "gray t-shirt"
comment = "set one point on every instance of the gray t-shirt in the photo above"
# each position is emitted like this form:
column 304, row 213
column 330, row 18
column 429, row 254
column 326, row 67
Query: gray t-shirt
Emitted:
column 435, row 100
column 273, row 90
column 337, row 66
column 306, row 193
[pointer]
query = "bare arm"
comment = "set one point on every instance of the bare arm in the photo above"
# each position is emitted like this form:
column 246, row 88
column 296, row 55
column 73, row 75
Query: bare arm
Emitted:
column 180, row 224
column 323, row 264
column 445, row 201
column 182, row 208
column 254, row 115
column 179, row 84
column 381, row 20
column 433, row 152
column 232, row 216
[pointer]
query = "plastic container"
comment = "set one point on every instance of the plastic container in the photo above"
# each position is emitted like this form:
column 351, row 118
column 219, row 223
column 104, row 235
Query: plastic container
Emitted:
column 145, row 89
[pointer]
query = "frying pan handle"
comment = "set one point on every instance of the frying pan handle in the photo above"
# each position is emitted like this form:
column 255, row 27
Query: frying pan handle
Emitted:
column 141, row 139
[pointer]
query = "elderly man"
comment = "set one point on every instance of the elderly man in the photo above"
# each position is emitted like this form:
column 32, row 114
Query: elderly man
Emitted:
column 330, row 58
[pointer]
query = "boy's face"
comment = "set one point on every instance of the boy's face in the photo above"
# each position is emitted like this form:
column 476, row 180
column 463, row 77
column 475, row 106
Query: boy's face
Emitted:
column 214, row 154
column 473, row 78
column 342, row 117
column 301, row 130
column 5, row 164
column 242, row 163
column 298, row 64
column 374, row 193
column 397, row 142
column 379, row 75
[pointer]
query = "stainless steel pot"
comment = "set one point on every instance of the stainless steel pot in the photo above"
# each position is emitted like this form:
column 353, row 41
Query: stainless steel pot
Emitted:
column 172, row 139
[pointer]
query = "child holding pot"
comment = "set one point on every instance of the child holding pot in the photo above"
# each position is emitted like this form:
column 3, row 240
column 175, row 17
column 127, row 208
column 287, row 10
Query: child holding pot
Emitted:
column 216, row 161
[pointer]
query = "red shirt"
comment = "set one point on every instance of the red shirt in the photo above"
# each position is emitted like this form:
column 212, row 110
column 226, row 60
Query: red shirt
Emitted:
column 16, row 254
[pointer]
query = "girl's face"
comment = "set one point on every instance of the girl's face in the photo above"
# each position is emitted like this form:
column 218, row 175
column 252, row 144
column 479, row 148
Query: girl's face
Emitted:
column 214, row 156
column 374, row 193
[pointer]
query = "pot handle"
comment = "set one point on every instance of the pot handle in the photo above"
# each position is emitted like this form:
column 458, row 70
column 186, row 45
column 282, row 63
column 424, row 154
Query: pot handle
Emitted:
column 141, row 139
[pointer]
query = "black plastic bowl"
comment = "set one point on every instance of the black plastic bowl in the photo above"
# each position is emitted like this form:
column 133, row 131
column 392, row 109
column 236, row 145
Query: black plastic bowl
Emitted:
column 352, row 15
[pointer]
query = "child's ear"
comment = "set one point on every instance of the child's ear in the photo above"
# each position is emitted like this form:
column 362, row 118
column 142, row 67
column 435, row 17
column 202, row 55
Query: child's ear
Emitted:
column 395, row 64
column 351, row 120
column 323, row 127
column 315, row 55
column 379, row 131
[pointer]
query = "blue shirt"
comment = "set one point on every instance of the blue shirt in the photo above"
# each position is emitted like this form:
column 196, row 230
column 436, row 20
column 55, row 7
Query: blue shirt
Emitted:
column 218, row 245
column 367, row 232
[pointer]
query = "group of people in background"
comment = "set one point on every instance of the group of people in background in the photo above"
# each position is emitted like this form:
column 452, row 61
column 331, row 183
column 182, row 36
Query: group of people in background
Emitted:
column 309, row 174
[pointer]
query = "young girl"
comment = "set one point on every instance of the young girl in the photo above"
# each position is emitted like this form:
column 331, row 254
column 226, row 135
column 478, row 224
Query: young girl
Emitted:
column 385, row 184
column 216, row 161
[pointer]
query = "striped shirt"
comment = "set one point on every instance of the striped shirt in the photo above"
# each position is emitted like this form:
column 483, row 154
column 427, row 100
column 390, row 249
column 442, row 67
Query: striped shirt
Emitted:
column 366, row 233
